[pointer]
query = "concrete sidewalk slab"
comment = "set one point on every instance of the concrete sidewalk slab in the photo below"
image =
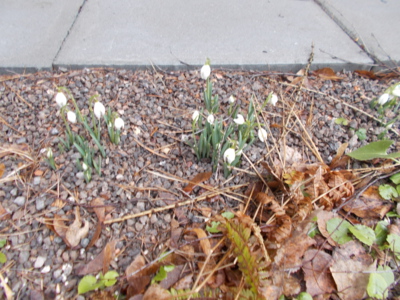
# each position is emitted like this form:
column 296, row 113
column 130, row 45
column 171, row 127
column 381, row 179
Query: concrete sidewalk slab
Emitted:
column 258, row 34
column 32, row 32
column 373, row 23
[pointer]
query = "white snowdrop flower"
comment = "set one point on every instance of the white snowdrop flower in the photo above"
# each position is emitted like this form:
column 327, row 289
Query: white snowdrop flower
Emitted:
column 184, row 138
column 210, row 119
column 229, row 155
column 99, row 110
column 239, row 119
column 84, row 166
column 205, row 72
column 231, row 99
column 119, row 123
column 49, row 153
column 195, row 115
column 274, row 99
column 71, row 116
column 384, row 98
column 396, row 91
column 262, row 135
column 61, row 100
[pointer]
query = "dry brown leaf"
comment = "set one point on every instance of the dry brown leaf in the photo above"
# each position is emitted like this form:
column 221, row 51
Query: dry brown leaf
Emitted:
column 59, row 203
column 184, row 283
column 59, row 226
column 138, row 275
column 322, row 217
column 97, row 263
column 204, row 241
column 350, row 269
column 38, row 172
column 318, row 278
column 76, row 231
column 327, row 74
column 201, row 177
column 4, row 215
column 156, row 292
column 2, row 169
column 102, row 295
column 99, row 211
column 337, row 161
column 108, row 255
column 291, row 285
column 172, row 277
column 366, row 74
column 369, row 205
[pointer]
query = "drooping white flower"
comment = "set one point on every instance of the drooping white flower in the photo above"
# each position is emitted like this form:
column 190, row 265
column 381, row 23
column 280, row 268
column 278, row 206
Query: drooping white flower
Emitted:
column 274, row 99
column 195, row 115
column 384, row 98
column 61, row 100
column 49, row 153
column 71, row 116
column 99, row 110
column 210, row 119
column 84, row 166
column 396, row 91
column 205, row 71
column 262, row 134
column 119, row 123
column 239, row 119
column 231, row 99
column 229, row 155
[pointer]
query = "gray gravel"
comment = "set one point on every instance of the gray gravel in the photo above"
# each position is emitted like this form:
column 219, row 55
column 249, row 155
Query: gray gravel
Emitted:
column 156, row 108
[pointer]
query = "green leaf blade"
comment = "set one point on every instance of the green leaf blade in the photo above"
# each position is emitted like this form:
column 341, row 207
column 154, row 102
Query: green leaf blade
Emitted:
column 363, row 233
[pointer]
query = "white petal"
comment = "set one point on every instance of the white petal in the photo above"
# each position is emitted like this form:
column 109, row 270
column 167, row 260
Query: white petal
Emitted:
column 84, row 166
column 205, row 71
column 49, row 153
column 231, row 99
column 99, row 110
column 383, row 99
column 229, row 155
column 71, row 116
column 61, row 100
column 210, row 119
column 274, row 99
column 239, row 119
column 396, row 91
column 195, row 115
column 262, row 135
column 119, row 123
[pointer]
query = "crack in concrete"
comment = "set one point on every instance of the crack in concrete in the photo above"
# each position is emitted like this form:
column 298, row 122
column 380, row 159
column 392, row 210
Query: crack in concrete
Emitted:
column 68, row 32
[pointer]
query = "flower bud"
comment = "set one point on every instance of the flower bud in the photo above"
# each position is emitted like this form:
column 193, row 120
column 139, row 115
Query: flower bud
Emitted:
column 205, row 72
column 274, row 99
column 61, row 100
column 231, row 99
column 239, row 119
column 262, row 134
column 383, row 99
column 71, row 116
column 210, row 119
column 99, row 110
column 84, row 166
column 396, row 91
column 49, row 153
column 195, row 115
column 119, row 123
column 229, row 155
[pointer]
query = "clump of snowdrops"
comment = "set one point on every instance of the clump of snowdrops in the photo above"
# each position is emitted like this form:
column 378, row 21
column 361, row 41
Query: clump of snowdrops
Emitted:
column 86, row 136
column 224, row 135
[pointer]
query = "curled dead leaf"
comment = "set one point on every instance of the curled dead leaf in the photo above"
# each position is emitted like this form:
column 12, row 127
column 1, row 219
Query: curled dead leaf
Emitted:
column 76, row 231
column 201, row 177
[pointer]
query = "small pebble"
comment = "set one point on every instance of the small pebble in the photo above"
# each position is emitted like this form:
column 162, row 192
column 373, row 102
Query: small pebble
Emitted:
column 39, row 262
column 40, row 204
column 20, row 201
column 46, row 269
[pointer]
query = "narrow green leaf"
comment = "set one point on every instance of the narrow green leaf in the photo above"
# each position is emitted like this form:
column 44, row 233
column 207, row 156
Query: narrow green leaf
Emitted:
column 363, row 233
column 339, row 230
column 374, row 150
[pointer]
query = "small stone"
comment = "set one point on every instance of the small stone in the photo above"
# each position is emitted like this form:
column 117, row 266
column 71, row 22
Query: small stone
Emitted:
column 84, row 242
column 14, row 192
column 40, row 204
column 120, row 177
column 139, row 226
column 153, row 219
column 36, row 180
column 167, row 218
column 141, row 206
column 46, row 269
column 39, row 262
column 57, row 273
column 80, row 175
column 67, row 268
column 54, row 131
column 23, row 257
column 20, row 201
column 21, row 140
column 143, row 219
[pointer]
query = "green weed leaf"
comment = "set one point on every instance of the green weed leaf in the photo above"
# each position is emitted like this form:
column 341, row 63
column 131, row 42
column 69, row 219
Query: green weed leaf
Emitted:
column 395, row 178
column 228, row 215
column 363, row 233
column 3, row 243
column 381, row 232
column 341, row 121
column 394, row 244
column 162, row 273
column 304, row 296
column 339, row 230
column 3, row 258
column 362, row 134
column 374, row 150
column 88, row 283
column 387, row 191
column 379, row 282
column 214, row 227
column 110, row 278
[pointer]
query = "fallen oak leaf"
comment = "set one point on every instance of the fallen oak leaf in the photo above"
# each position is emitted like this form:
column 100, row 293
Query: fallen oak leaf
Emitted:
column 76, row 232
column 327, row 74
column 196, row 180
